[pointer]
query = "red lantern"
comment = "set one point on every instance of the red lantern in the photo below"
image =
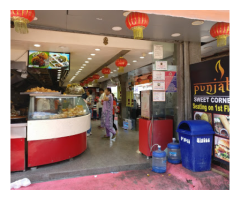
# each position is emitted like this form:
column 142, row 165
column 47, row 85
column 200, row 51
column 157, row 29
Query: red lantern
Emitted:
column 90, row 80
column 21, row 18
column 82, row 84
column 150, row 78
column 106, row 71
column 85, row 82
column 220, row 31
column 137, row 22
column 96, row 77
column 139, row 80
column 121, row 63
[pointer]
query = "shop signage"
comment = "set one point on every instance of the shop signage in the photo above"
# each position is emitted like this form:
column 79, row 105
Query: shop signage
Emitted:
column 171, row 81
column 210, row 87
column 161, row 65
column 158, row 52
column 158, row 96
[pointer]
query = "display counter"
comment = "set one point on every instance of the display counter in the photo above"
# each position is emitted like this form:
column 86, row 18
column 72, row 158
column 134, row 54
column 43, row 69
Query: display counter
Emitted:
column 55, row 131
column 56, row 128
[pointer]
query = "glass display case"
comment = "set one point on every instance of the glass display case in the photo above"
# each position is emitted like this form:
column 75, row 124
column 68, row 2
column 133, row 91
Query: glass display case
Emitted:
column 56, row 107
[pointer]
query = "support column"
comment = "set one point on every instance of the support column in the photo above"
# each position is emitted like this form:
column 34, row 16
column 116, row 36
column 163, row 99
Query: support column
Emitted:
column 180, row 82
column 123, row 114
column 192, row 54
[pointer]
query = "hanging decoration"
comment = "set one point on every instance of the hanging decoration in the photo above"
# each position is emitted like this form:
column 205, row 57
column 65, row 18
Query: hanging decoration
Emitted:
column 90, row 80
column 139, row 80
column 121, row 63
column 220, row 31
column 150, row 78
column 137, row 22
column 82, row 84
column 106, row 71
column 85, row 82
column 21, row 18
column 96, row 77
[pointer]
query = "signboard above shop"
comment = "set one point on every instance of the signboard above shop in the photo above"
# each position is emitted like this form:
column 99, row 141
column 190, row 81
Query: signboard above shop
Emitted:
column 211, row 101
column 48, row 60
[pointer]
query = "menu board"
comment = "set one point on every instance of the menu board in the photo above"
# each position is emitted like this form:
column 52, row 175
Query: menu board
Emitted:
column 145, row 104
column 48, row 60
column 158, row 96
column 161, row 65
column 158, row 52
column 211, row 101
column 158, row 85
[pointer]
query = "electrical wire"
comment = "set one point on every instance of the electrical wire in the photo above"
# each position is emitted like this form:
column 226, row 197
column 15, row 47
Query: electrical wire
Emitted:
column 20, row 56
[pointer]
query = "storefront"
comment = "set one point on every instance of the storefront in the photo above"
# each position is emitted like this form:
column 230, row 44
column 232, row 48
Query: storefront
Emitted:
column 154, row 87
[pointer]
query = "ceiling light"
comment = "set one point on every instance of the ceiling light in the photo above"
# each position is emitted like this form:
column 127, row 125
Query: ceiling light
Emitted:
column 111, row 72
column 134, row 61
column 205, row 37
column 117, row 28
column 97, row 49
column 150, row 52
column 35, row 18
column 62, row 47
column 99, row 18
column 125, row 14
column 141, row 57
column 128, row 64
column 74, row 76
column 176, row 34
column 198, row 22
column 82, row 67
column 86, row 61
column 84, row 64
column 59, row 70
column 89, row 58
column 92, row 54
column 208, row 47
column 37, row 45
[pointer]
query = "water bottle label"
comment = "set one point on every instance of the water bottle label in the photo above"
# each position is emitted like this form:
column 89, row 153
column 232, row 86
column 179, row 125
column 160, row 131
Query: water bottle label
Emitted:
column 172, row 153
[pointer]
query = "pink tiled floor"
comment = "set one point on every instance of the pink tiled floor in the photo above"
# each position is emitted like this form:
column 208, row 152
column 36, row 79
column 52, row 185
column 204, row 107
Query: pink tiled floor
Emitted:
column 176, row 178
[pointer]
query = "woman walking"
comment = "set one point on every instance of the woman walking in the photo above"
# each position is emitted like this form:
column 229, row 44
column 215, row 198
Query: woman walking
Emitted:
column 107, row 117
column 114, row 108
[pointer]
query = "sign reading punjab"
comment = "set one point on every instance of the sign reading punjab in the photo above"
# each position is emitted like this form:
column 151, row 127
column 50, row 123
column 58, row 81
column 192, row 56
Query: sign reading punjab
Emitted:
column 210, row 87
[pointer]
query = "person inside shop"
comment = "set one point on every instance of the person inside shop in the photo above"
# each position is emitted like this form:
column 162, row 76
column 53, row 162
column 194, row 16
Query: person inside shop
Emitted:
column 107, row 120
column 114, row 109
column 84, row 95
column 90, row 103
column 100, row 104
column 95, row 110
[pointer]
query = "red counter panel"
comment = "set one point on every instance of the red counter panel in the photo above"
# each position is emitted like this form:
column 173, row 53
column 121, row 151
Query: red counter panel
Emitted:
column 41, row 152
column 17, row 154
column 162, row 135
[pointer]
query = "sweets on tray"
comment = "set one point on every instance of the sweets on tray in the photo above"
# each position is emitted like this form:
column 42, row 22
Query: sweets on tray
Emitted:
column 40, row 89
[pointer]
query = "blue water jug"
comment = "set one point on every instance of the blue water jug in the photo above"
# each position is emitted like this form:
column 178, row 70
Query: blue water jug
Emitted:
column 174, row 153
column 159, row 161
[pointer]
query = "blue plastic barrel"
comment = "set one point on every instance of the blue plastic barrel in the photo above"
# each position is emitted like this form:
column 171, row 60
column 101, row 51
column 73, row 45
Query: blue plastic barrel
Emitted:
column 196, row 138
